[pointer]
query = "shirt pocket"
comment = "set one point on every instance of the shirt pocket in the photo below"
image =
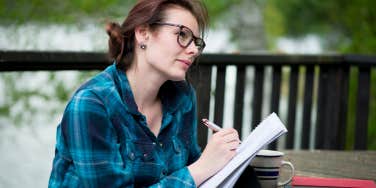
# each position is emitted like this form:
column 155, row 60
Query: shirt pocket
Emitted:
column 145, row 167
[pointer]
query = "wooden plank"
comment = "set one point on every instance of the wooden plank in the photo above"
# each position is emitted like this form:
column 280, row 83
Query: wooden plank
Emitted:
column 219, row 95
column 276, row 92
column 307, row 107
column 344, row 72
column 336, row 164
column 362, row 108
column 293, row 90
column 321, row 107
column 202, row 86
column 50, row 60
column 257, row 95
column 335, row 129
column 275, row 59
column 332, row 107
column 239, row 99
column 331, row 127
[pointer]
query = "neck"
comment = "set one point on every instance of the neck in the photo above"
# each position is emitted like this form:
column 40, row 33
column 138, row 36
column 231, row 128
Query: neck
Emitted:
column 145, row 83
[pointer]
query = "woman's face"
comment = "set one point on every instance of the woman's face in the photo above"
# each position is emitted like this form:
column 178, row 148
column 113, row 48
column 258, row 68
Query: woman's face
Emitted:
column 163, row 51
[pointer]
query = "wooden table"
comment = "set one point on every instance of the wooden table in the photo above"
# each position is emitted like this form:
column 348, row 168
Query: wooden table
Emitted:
column 335, row 164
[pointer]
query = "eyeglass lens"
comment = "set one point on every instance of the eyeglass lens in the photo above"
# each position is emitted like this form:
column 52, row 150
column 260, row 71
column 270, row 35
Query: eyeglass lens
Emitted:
column 186, row 37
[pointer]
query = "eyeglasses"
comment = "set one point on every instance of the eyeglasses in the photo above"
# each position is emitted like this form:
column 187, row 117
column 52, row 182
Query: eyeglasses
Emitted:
column 185, row 36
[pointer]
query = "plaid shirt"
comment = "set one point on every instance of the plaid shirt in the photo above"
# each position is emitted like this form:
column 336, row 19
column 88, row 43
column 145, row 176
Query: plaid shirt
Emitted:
column 104, row 141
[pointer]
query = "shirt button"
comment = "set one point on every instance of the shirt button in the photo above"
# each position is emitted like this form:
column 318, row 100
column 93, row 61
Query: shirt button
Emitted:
column 161, row 144
column 154, row 143
column 131, row 156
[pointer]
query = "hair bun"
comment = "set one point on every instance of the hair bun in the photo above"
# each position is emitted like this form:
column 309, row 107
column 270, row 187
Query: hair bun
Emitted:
column 114, row 31
column 116, row 40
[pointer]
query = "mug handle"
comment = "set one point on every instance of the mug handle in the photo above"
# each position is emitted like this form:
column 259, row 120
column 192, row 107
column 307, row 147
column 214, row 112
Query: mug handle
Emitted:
column 286, row 163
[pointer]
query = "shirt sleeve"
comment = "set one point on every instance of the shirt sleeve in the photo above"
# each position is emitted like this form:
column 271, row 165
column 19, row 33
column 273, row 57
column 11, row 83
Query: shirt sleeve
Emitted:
column 180, row 178
column 91, row 141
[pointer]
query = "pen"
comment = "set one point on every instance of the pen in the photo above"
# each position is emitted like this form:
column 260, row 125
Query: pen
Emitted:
column 216, row 128
column 211, row 125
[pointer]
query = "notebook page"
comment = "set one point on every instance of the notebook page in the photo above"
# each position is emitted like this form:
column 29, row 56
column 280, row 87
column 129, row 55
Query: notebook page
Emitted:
column 231, row 180
column 268, row 130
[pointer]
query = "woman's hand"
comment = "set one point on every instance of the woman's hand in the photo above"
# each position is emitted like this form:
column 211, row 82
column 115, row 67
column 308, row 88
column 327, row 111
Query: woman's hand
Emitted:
column 220, row 149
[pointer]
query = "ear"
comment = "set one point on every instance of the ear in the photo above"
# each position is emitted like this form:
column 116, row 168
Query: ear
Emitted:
column 142, row 33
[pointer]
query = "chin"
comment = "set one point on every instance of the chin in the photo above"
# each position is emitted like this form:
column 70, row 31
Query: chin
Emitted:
column 179, row 77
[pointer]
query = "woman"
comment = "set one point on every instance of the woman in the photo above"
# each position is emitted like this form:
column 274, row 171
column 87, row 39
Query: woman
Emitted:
column 134, row 124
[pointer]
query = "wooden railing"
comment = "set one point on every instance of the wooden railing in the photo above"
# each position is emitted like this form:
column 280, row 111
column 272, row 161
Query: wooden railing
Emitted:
column 329, row 100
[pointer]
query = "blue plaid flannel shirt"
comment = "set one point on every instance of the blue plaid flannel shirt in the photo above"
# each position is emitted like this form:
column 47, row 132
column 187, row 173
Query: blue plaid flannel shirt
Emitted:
column 103, row 140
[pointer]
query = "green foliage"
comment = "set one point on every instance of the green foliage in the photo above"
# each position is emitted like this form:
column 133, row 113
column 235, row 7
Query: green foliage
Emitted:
column 217, row 8
column 62, row 93
column 307, row 15
column 346, row 26
column 273, row 23
column 56, row 11
column 72, row 11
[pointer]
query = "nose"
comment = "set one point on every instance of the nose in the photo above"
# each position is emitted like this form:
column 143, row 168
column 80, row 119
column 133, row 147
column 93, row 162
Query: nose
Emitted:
column 192, row 49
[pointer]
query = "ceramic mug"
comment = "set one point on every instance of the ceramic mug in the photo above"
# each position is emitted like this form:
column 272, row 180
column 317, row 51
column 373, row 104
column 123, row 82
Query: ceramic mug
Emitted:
column 267, row 164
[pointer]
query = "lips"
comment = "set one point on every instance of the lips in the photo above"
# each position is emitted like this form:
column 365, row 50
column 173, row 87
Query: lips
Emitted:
column 186, row 62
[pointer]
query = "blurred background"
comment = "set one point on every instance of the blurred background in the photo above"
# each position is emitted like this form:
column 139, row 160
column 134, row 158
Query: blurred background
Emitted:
column 32, row 103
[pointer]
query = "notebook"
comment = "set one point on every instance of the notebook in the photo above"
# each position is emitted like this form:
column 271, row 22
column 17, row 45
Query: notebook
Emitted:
column 267, row 131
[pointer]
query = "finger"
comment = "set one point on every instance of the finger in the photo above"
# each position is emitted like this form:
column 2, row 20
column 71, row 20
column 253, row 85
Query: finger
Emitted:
column 232, row 145
column 231, row 138
column 226, row 131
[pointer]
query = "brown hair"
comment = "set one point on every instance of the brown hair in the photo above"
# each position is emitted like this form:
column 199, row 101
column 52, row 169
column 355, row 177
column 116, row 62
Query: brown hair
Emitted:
column 121, row 41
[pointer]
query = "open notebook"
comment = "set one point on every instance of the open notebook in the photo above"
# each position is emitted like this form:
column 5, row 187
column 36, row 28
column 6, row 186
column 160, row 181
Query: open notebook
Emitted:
column 265, row 132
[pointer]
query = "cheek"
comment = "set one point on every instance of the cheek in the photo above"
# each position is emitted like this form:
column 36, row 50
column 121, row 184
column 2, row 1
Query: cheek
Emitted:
column 159, row 56
column 164, row 50
column 167, row 43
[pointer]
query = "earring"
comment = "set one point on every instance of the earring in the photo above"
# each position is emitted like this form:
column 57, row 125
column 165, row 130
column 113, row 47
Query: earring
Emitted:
column 143, row 46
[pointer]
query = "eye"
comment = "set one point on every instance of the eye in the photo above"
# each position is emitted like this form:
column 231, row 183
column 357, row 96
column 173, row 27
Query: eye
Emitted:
column 183, row 34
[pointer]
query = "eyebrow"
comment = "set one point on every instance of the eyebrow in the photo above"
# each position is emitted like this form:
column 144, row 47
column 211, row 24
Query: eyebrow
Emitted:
column 178, row 25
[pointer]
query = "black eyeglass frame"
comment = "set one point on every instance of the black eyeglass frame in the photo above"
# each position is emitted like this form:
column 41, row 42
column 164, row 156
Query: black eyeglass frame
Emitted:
column 194, row 38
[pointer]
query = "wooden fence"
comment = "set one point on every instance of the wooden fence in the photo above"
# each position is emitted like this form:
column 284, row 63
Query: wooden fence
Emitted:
column 325, row 92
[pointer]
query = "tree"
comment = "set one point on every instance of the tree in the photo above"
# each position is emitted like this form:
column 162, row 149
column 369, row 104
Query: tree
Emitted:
column 55, row 11
column 345, row 26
